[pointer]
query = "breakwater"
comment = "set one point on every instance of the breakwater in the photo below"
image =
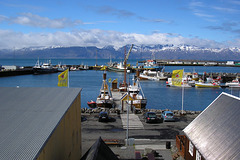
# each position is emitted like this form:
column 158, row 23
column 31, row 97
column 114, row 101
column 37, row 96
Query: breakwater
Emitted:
column 157, row 111
column 28, row 70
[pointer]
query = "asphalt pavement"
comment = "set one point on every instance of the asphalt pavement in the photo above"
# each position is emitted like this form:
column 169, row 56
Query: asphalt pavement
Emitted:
column 143, row 137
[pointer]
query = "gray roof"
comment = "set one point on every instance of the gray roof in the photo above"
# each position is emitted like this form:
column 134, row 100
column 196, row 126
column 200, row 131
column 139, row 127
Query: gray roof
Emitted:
column 216, row 131
column 28, row 116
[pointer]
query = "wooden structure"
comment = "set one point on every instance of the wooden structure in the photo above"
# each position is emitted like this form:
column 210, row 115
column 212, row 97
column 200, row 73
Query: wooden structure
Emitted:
column 40, row 123
column 214, row 134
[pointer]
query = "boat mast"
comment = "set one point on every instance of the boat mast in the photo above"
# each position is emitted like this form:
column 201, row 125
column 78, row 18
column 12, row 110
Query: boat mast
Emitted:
column 125, row 67
column 104, row 84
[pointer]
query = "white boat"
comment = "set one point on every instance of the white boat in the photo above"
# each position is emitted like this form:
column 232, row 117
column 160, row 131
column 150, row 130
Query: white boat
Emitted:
column 83, row 67
column 61, row 67
column 44, row 68
column 116, row 67
column 233, row 84
column 136, row 93
column 105, row 100
column 186, row 83
column 152, row 75
column 151, row 65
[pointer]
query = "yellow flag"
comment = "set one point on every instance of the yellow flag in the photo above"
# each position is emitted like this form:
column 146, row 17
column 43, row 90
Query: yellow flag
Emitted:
column 109, row 80
column 63, row 79
column 177, row 77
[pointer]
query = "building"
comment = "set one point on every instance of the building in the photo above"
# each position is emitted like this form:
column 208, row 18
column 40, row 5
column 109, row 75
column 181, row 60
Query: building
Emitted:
column 230, row 63
column 214, row 134
column 40, row 123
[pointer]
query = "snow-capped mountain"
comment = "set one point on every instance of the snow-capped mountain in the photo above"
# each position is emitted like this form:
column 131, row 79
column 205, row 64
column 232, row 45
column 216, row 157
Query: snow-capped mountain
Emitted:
column 159, row 51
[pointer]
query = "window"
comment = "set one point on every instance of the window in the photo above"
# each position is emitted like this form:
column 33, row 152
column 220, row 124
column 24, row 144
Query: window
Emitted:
column 198, row 155
column 190, row 149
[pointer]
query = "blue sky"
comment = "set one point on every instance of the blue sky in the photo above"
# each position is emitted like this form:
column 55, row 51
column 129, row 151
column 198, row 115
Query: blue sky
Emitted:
column 205, row 23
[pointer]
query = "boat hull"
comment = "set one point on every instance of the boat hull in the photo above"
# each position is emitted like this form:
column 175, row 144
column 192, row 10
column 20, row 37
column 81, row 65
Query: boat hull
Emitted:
column 92, row 104
column 202, row 85
column 104, row 103
column 44, row 70
column 115, row 69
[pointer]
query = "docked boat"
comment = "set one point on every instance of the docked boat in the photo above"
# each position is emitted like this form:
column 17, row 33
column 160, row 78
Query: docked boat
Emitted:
column 83, row 67
column 116, row 67
column 183, row 79
column 121, row 66
column 105, row 100
column 92, row 104
column 152, row 75
column 186, row 83
column 206, row 85
column 136, row 93
column 61, row 67
column 210, row 83
column 44, row 68
column 151, row 65
column 233, row 84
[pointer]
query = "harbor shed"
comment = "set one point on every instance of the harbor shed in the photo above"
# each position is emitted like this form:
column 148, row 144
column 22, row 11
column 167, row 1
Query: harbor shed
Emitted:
column 40, row 123
column 214, row 134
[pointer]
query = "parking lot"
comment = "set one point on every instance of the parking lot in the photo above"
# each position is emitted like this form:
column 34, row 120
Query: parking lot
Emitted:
column 154, row 134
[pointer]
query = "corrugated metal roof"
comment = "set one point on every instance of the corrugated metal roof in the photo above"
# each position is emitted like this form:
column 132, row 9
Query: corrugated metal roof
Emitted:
column 28, row 116
column 216, row 131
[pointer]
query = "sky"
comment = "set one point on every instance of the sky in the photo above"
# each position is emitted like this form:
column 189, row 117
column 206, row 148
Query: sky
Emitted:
column 46, row 23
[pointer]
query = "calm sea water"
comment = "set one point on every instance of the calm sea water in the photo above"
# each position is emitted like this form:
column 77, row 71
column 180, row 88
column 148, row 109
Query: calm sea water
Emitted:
column 159, row 96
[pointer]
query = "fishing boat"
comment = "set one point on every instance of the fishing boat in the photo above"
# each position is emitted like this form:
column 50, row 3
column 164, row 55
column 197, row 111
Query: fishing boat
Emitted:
column 234, row 83
column 121, row 66
column 210, row 83
column 61, row 68
column 186, row 83
column 44, row 68
column 136, row 93
column 150, row 65
column 105, row 100
column 83, row 67
column 116, row 67
column 92, row 104
column 152, row 75
column 206, row 85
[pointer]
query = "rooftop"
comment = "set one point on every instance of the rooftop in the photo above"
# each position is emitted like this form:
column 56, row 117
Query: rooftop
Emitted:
column 215, row 132
column 28, row 116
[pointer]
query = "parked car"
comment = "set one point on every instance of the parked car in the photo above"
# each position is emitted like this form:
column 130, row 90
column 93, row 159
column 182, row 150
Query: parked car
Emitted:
column 83, row 118
column 168, row 116
column 151, row 117
column 103, row 116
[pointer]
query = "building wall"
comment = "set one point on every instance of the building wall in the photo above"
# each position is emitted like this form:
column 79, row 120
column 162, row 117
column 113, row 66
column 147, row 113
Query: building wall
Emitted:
column 65, row 141
column 182, row 143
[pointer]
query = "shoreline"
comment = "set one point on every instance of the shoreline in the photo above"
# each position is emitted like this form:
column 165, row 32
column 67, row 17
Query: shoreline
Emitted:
column 117, row 111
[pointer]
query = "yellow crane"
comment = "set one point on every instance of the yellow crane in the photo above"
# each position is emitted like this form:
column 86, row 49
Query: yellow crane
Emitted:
column 125, row 64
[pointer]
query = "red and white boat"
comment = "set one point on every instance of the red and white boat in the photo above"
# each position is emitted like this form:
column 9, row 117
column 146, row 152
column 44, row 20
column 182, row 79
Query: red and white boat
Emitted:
column 92, row 104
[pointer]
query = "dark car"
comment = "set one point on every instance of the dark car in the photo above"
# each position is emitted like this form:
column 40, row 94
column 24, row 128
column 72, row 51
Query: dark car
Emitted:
column 103, row 117
column 151, row 117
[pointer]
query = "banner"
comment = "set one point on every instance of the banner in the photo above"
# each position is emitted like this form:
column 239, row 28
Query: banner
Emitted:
column 177, row 77
column 63, row 79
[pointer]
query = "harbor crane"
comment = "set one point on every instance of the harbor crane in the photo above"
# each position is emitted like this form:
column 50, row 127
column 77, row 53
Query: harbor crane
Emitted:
column 125, row 64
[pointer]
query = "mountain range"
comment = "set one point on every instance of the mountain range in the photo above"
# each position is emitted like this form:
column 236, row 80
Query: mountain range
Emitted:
column 168, row 52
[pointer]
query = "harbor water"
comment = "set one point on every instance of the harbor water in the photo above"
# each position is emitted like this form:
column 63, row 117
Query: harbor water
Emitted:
column 158, row 95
